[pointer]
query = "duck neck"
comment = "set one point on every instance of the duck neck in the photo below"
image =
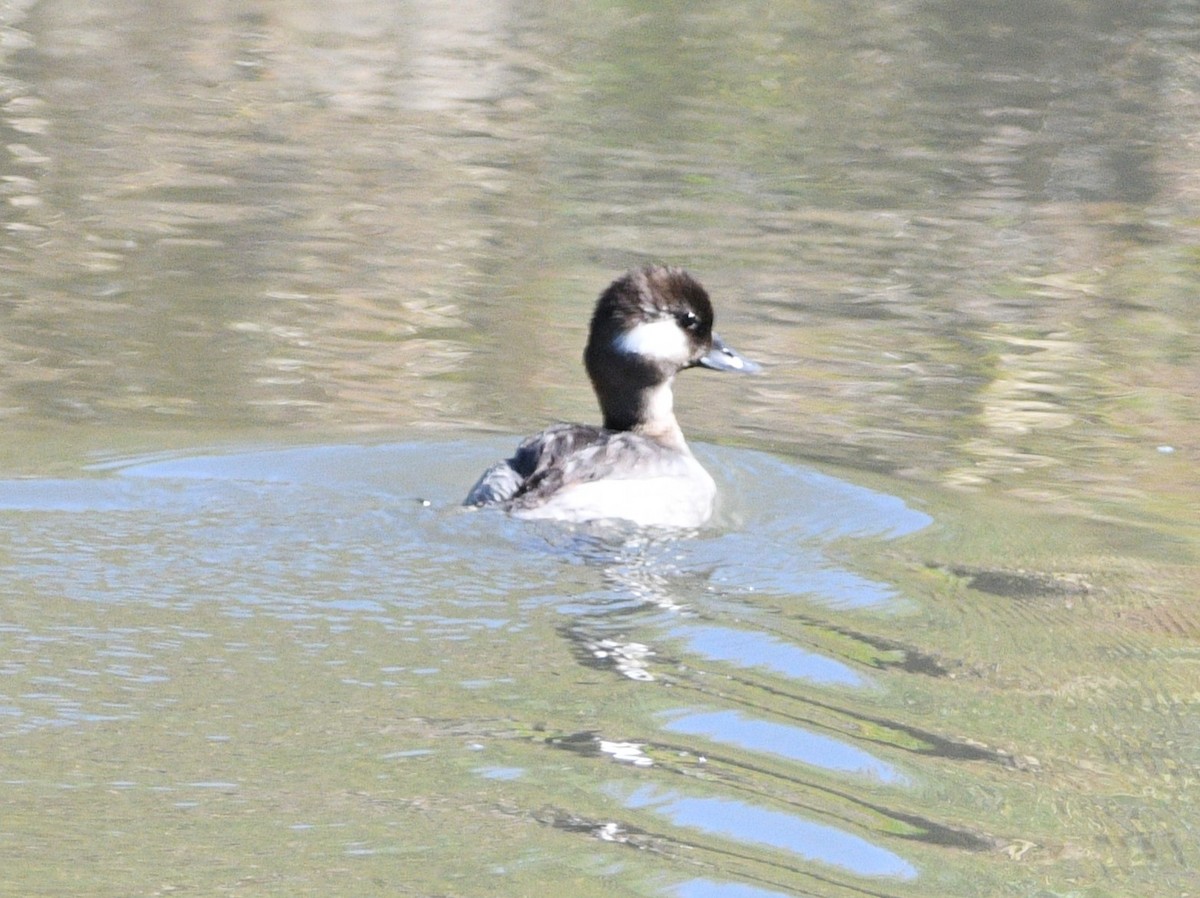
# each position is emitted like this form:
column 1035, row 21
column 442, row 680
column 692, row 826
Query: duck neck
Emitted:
column 651, row 413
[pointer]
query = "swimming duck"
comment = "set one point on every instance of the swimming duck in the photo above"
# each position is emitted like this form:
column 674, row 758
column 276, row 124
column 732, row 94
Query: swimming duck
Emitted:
column 648, row 325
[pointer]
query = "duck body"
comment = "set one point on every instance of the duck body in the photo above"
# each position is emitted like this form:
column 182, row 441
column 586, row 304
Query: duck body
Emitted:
column 576, row 473
column 648, row 325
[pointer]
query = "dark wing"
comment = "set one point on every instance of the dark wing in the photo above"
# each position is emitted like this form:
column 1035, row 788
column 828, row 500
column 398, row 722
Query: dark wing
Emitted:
column 597, row 455
column 535, row 462
column 499, row 483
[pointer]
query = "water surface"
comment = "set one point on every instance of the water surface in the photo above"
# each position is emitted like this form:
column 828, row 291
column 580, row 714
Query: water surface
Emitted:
column 279, row 280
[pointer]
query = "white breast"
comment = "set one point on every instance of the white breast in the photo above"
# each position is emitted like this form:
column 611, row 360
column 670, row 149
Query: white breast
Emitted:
column 681, row 501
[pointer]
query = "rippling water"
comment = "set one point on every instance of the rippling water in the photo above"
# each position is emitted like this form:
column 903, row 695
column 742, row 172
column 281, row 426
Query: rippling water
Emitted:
column 275, row 277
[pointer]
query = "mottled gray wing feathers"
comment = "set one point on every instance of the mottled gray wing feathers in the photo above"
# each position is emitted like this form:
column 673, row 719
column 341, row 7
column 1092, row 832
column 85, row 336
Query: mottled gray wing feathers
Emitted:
column 536, row 468
column 499, row 483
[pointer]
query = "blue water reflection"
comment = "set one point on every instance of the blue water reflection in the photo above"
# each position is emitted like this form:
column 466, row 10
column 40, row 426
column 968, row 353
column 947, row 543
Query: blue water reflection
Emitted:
column 706, row 888
column 787, row 499
column 787, row 832
column 784, row 740
column 783, row 519
column 746, row 648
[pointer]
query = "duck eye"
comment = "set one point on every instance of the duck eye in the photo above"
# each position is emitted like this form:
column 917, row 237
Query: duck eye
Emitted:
column 688, row 320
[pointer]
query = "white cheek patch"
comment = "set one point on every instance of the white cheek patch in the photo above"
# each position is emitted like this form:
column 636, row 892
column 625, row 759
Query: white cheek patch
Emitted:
column 656, row 340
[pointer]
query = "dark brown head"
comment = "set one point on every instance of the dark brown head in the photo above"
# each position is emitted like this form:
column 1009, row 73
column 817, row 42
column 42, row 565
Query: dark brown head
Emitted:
column 648, row 325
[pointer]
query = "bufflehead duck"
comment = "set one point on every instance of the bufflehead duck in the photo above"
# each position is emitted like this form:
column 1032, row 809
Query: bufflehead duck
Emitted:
column 648, row 325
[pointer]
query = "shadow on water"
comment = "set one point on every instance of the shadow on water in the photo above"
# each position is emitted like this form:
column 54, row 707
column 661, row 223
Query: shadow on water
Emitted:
column 757, row 724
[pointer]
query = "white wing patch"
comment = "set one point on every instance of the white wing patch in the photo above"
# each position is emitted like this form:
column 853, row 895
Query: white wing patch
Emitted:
column 662, row 339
